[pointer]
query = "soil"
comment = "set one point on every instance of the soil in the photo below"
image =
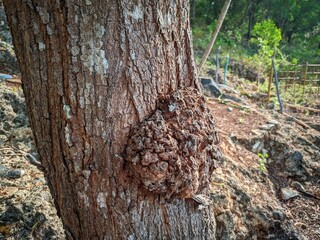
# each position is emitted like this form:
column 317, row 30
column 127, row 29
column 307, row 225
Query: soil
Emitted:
column 246, row 198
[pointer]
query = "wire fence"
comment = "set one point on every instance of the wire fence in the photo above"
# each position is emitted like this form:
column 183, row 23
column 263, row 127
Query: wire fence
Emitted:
column 303, row 79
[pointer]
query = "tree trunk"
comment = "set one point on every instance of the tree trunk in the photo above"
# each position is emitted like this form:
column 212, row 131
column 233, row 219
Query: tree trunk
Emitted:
column 250, row 21
column 215, row 33
column 193, row 9
column 252, row 9
column 124, row 149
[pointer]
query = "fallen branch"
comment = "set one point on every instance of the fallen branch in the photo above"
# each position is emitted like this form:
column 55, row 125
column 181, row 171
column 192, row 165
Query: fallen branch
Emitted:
column 302, row 108
column 230, row 102
column 31, row 159
column 298, row 121
column 237, row 105
column 221, row 131
column 309, row 195
column 5, row 149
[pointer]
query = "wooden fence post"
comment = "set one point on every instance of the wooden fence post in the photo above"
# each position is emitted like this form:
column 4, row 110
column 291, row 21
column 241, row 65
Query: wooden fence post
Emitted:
column 294, row 80
column 286, row 77
column 305, row 78
column 225, row 71
column 277, row 83
column 269, row 83
column 217, row 65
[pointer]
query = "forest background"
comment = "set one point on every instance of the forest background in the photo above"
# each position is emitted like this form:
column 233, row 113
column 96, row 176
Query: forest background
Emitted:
column 252, row 28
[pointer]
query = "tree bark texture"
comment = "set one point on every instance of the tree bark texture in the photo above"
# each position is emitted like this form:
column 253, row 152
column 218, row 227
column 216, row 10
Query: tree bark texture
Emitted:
column 93, row 73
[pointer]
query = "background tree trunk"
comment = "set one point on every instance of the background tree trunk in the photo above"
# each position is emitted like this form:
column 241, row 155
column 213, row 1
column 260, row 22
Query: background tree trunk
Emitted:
column 193, row 9
column 215, row 33
column 92, row 70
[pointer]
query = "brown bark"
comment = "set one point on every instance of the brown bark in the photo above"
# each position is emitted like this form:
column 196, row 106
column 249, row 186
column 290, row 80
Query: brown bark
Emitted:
column 91, row 72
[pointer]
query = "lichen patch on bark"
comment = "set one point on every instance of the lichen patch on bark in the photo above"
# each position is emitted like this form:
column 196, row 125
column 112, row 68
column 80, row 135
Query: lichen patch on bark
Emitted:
column 174, row 151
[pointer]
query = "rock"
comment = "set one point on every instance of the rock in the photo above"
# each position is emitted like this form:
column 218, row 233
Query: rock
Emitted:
column 1, row 114
column 3, row 170
column 227, row 89
column 213, row 90
column 316, row 141
column 294, row 166
column 259, row 96
column 270, row 106
column 257, row 132
column 16, row 102
column 260, row 216
column 225, row 226
column 26, row 223
column 224, row 96
column 8, row 62
column 205, row 81
column 15, row 173
column 290, row 119
column 13, row 118
column 210, row 87
column 274, row 122
column 220, row 199
column 242, row 197
column 268, row 127
column 297, row 186
column 3, row 139
column 229, row 109
column 7, row 126
column 20, row 121
column 10, row 215
column 22, row 135
column 315, row 126
column 256, row 148
column 288, row 193
column 278, row 214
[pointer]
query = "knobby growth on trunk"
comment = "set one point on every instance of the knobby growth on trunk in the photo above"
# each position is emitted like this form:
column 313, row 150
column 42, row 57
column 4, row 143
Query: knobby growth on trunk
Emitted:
column 95, row 73
column 172, row 151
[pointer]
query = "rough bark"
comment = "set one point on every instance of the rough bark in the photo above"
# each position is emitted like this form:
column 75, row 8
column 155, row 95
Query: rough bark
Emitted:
column 92, row 71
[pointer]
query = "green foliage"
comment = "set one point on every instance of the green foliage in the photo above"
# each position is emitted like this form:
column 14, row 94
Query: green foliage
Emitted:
column 263, row 162
column 295, row 95
column 201, row 37
column 266, row 36
column 291, row 26
column 305, row 48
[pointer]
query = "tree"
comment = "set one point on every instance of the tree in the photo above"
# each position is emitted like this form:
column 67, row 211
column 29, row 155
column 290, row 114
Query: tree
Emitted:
column 252, row 10
column 121, row 128
column 266, row 36
column 215, row 33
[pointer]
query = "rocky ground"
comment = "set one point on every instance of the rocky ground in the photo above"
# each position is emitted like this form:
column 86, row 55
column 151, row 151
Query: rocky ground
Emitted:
column 255, row 196
column 26, row 206
column 273, row 196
